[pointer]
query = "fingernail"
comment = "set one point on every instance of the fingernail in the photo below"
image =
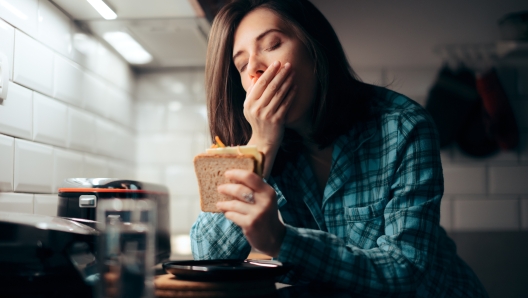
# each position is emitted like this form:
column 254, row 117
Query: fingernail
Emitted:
column 276, row 63
column 287, row 65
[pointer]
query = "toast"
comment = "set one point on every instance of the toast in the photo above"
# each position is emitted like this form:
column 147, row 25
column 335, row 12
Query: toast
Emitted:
column 211, row 166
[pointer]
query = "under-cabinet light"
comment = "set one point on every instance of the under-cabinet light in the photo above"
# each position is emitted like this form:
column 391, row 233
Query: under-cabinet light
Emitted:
column 103, row 9
column 128, row 47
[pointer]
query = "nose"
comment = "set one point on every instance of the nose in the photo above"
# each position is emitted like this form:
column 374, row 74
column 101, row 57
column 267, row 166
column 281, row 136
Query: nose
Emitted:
column 255, row 67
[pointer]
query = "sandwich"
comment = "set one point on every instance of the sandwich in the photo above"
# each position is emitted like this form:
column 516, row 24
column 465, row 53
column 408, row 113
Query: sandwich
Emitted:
column 211, row 166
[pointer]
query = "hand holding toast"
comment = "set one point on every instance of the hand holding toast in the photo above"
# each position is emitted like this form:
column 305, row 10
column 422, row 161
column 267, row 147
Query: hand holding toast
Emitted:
column 259, row 220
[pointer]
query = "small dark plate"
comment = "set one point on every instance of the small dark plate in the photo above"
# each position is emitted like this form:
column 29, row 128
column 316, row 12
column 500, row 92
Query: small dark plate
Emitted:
column 222, row 270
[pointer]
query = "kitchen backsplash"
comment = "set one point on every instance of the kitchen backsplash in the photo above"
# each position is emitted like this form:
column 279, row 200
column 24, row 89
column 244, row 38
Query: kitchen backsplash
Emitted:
column 69, row 109
column 76, row 109
column 171, row 123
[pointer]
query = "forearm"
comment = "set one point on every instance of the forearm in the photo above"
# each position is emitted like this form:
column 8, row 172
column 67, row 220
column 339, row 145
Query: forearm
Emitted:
column 321, row 257
column 215, row 237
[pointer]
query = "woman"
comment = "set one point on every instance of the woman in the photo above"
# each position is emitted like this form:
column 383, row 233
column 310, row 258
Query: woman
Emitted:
column 354, row 169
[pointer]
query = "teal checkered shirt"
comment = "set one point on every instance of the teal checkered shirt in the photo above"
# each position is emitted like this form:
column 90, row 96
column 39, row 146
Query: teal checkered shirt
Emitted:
column 376, row 231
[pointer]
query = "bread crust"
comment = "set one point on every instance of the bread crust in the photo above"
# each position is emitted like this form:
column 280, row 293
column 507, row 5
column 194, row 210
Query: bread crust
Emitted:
column 210, row 170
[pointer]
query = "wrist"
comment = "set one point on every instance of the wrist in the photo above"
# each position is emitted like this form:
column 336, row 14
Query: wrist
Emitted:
column 278, row 241
column 263, row 146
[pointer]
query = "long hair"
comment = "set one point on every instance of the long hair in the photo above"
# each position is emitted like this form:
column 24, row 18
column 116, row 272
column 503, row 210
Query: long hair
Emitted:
column 341, row 101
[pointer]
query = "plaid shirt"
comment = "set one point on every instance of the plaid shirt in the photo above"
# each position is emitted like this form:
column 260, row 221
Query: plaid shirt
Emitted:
column 376, row 229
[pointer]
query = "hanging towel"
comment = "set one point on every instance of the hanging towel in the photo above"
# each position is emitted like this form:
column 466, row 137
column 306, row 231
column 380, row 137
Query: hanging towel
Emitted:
column 501, row 121
column 474, row 136
column 449, row 101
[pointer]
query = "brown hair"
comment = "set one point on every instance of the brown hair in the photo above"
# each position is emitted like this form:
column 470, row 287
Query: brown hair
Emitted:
column 342, row 99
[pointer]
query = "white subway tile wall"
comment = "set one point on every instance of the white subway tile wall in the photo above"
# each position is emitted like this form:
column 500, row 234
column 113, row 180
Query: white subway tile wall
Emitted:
column 474, row 178
column 21, row 14
column 54, row 28
column 45, row 204
column 446, row 213
column 68, row 80
column 68, row 112
column 7, row 153
column 50, row 118
column 33, row 167
column 16, row 112
column 171, row 121
column 81, row 133
column 7, row 42
column 66, row 164
column 16, row 202
column 94, row 95
column 508, row 179
column 181, row 180
column 486, row 214
column 33, row 66
column 95, row 167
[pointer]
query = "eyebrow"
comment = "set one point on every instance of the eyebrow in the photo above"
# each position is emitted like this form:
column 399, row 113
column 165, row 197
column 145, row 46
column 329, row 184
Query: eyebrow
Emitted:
column 259, row 37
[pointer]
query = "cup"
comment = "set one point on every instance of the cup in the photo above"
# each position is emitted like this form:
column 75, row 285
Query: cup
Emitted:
column 126, row 248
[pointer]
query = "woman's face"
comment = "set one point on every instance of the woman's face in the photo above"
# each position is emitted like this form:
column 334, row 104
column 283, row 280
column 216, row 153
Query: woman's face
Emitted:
column 263, row 38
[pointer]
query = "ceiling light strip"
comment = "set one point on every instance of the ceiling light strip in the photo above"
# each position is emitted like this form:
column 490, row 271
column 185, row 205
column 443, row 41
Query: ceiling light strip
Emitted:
column 128, row 47
column 103, row 9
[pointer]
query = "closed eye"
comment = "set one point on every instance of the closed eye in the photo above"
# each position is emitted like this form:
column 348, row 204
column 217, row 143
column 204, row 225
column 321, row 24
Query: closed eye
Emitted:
column 243, row 68
column 273, row 47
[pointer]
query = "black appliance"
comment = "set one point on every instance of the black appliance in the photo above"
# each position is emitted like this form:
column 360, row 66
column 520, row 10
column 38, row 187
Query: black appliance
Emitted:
column 78, row 198
column 45, row 256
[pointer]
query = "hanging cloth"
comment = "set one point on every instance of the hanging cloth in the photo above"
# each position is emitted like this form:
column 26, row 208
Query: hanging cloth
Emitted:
column 501, row 121
column 450, row 99
column 474, row 136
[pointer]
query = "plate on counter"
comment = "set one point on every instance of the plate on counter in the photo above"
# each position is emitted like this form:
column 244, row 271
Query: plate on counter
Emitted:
column 216, row 270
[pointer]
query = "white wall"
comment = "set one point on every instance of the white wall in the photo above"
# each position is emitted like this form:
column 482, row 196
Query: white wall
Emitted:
column 392, row 43
column 69, row 109
column 172, row 128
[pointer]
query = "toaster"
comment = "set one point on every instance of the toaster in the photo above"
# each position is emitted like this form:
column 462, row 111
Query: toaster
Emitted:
column 79, row 197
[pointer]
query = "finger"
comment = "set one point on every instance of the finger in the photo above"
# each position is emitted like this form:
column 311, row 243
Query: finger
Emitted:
column 253, row 81
column 247, row 178
column 239, row 219
column 246, row 101
column 280, row 95
column 237, row 191
column 286, row 103
column 263, row 81
column 234, row 206
column 276, row 85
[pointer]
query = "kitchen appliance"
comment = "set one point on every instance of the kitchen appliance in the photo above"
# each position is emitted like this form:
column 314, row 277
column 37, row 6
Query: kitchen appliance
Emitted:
column 45, row 256
column 79, row 197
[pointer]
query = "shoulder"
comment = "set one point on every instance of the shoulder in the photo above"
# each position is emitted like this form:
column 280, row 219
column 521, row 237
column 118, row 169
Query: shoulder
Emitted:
column 398, row 113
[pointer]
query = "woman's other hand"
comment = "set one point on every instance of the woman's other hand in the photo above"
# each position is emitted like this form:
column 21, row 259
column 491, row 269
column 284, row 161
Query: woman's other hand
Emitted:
column 267, row 102
column 254, row 210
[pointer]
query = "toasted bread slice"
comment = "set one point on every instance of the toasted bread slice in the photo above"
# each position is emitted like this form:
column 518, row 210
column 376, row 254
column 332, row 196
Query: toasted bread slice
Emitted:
column 210, row 169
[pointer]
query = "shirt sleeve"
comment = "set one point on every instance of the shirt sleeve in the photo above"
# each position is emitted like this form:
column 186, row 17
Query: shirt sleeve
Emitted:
column 408, row 247
column 213, row 236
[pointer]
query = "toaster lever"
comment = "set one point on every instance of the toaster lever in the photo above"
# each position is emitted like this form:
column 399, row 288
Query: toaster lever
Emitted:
column 87, row 201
